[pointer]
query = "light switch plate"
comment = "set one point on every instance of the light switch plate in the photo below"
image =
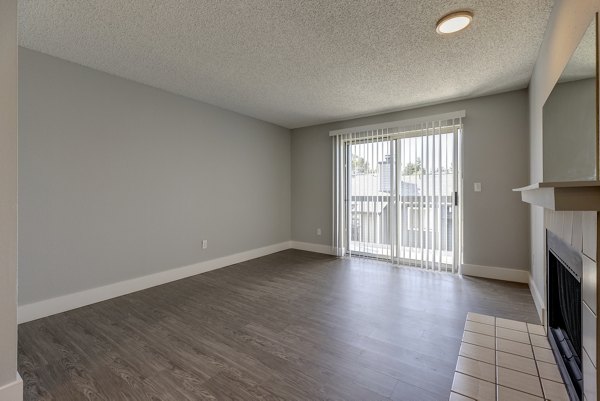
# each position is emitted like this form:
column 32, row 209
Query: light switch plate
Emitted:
column 477, row 187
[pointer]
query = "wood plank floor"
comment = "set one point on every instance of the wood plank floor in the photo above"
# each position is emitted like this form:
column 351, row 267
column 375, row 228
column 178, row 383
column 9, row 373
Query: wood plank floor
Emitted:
column 289, row 326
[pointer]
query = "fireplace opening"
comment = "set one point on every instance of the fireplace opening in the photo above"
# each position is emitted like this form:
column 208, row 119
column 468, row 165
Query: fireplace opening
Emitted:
column 564, row 311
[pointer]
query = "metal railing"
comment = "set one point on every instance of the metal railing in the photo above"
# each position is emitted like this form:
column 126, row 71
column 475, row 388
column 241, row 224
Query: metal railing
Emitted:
column 424, row 225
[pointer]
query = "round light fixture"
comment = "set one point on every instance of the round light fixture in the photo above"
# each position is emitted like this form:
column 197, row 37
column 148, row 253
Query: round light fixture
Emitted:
column 454, row 22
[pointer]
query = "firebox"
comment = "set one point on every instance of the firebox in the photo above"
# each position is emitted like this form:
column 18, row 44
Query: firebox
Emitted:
column 565, row 270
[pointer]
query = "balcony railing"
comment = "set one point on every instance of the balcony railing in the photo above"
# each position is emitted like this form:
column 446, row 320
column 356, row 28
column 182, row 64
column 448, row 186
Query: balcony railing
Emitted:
column 425, row 226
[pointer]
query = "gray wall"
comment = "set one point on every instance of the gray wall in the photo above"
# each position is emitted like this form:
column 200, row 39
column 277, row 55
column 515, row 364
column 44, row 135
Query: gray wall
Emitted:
column 570, row 132
column 568, row 22
column 118, row 180
column 8, row 196
column 496, row 231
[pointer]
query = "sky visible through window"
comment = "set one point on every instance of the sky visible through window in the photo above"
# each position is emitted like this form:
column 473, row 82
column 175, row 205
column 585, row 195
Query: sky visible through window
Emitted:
column 418, row 224
column 422, row 162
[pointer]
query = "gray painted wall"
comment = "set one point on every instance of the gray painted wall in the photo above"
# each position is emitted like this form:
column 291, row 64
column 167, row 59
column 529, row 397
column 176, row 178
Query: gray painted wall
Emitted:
column 567, row 25
column 496, row 153
column 118, row 180
column 8, row 196
column 570, row 132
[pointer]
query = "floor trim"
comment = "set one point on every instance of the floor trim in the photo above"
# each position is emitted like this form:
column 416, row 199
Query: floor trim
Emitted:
column 12, row 391
column 47, row 307
column 537, row 300
column 307, row 246
column 496, row 273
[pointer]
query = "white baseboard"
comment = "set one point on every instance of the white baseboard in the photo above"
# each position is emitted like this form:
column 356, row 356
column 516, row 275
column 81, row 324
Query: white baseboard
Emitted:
column 75, row 300
column 538, row 300
column 496, row 273
column 307, row 246
column 37, row 310
column 12, row 391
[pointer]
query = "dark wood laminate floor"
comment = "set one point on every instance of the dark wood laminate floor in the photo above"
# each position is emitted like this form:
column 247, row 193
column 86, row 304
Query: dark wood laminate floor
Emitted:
column 292, row 326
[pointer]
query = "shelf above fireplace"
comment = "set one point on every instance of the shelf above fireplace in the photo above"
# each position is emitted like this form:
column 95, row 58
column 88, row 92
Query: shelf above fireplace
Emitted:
column 563, row 196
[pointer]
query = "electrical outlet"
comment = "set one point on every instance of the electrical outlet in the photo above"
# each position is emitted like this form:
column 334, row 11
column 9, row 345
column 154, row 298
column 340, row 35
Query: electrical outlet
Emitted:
column 204, row 243
column 319, row 231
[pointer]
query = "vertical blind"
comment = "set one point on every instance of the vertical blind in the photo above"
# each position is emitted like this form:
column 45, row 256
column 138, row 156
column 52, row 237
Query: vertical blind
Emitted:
column 396, row 188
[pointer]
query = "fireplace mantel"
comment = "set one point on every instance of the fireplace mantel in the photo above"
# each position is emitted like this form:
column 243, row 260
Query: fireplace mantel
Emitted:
column 563, row 196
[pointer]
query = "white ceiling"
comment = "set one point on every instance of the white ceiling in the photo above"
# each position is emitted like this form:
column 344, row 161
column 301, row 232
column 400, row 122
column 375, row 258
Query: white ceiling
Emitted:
column 583, row 61
column 291, row 62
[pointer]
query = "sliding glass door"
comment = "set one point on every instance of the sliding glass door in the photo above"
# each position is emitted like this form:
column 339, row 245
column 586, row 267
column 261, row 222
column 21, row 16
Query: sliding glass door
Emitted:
column 401, row 195
column 427, row 200
column 370, row 184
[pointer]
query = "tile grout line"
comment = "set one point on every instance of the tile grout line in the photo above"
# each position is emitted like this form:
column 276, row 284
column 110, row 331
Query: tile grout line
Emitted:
column 508, row 352
column 496, row 357
column 537, row 369
column 503, row 367
column 496, row 351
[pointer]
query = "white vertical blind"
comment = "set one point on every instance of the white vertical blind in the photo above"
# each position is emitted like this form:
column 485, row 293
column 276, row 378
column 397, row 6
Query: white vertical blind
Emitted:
column 394, row 192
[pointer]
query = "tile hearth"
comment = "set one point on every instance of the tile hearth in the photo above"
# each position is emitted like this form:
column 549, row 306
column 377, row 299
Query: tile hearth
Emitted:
column 505, row 360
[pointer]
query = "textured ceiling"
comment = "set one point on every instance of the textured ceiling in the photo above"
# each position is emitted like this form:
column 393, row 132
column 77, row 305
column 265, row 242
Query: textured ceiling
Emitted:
column 583, row 61
column 296, row 63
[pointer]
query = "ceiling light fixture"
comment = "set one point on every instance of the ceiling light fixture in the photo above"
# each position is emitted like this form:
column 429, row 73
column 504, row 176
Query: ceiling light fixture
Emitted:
column 454, row 22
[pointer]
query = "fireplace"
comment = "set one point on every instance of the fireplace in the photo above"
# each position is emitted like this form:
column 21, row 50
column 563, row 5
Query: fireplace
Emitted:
column 565, row 270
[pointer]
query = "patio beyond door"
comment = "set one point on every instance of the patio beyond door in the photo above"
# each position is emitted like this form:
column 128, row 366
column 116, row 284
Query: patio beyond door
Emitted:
column 402, row 196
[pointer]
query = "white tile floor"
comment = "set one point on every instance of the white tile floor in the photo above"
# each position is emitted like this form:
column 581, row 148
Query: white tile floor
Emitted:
column 503, row 359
